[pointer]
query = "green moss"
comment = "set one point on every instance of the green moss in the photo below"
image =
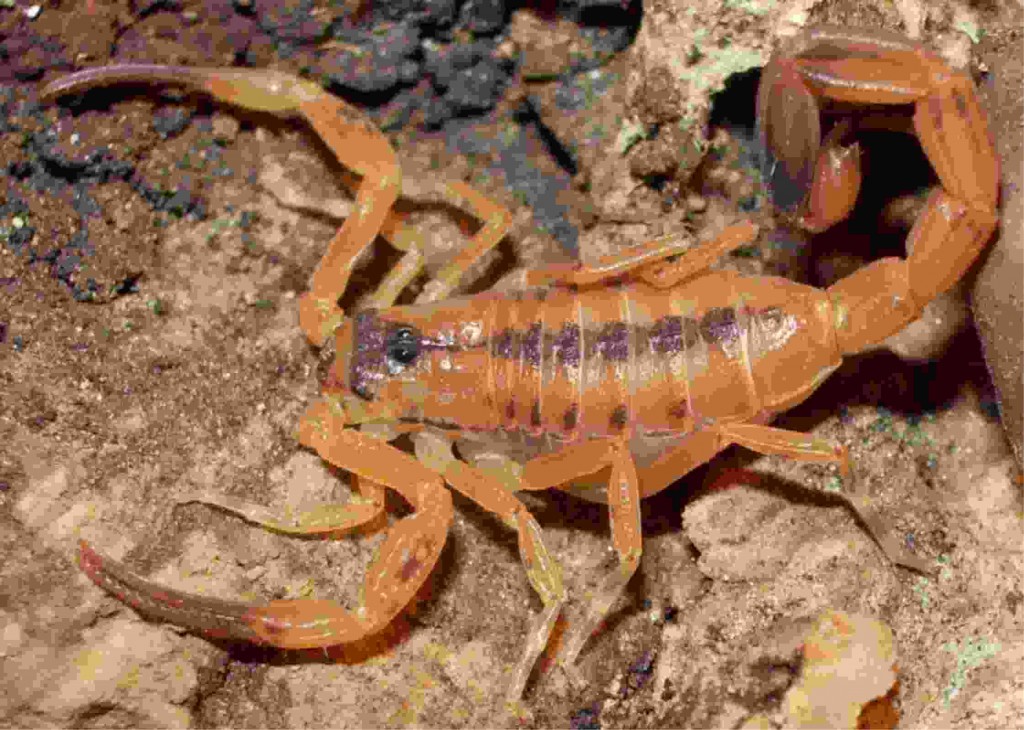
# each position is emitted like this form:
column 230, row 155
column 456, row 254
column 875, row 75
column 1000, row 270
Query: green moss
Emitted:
column 629, row 134
column 971, row 30
column 754, row 7
column 717, row 65
column 970, row 654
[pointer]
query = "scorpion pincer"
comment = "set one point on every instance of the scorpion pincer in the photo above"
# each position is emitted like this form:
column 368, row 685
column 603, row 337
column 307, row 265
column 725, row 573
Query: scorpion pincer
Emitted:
column 645, row 364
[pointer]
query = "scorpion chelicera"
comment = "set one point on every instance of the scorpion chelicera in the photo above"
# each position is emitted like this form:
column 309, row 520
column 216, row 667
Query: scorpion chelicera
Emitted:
column 645, row 364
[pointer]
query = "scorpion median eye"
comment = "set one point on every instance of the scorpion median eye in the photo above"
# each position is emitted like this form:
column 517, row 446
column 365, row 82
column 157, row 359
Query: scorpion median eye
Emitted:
column 403, row 346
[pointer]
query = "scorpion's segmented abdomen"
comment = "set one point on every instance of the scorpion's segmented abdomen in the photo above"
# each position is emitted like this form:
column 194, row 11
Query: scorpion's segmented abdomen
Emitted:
column 585, row 364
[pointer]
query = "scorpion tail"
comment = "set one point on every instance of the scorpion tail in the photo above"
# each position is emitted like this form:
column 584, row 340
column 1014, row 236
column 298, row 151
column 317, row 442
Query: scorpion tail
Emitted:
column 880, row 299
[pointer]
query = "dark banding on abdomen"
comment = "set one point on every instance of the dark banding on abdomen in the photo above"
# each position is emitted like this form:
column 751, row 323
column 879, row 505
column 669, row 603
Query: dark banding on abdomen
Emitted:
column 578, row 365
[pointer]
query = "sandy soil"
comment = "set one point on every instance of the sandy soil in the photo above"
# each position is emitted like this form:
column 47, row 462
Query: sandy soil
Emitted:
column 182, row 368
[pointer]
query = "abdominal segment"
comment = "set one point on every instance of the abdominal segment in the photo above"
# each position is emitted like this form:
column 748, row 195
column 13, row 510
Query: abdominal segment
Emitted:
column 583, row 365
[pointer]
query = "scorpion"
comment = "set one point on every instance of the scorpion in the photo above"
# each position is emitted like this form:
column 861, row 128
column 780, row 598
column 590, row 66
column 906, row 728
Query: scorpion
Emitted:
column 643, row 365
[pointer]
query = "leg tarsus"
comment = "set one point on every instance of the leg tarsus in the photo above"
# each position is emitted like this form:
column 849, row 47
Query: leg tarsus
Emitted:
column 624, row 512
column 613, row 586
column 537, row 637
column 864, row 507
column 800, row 446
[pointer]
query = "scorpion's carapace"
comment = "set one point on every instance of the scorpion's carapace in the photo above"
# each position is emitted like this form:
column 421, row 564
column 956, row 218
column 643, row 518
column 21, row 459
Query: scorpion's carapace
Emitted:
column 644, row 380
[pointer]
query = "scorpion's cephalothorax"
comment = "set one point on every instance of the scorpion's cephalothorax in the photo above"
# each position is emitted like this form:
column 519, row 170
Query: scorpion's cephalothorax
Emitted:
column 570, row 363
column 396, row 360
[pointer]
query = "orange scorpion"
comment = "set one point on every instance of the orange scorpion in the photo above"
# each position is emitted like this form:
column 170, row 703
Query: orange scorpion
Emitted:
column 644, row 365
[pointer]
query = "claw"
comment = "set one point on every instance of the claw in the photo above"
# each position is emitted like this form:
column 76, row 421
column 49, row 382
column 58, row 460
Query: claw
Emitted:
column 834, row 189
column 211, row 617
column 790, row 130
column 345, row 130
column 266, row 91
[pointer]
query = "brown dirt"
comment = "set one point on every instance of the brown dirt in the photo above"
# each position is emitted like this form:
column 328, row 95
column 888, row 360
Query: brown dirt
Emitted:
column 110, row 410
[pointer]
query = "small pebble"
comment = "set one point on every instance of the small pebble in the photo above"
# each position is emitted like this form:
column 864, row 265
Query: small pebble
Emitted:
column 225, row 127
column 696, row 203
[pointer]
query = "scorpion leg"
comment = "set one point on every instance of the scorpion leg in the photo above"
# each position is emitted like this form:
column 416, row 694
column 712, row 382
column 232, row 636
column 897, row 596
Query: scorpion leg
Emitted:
column 796, row 445
column 398, row 277
column 542, row 570
column 702, row 446
column 494, row 492
column 623, row 492
column 647, row 260
column 497, row 220
column 667, row 274
column 325, row 520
